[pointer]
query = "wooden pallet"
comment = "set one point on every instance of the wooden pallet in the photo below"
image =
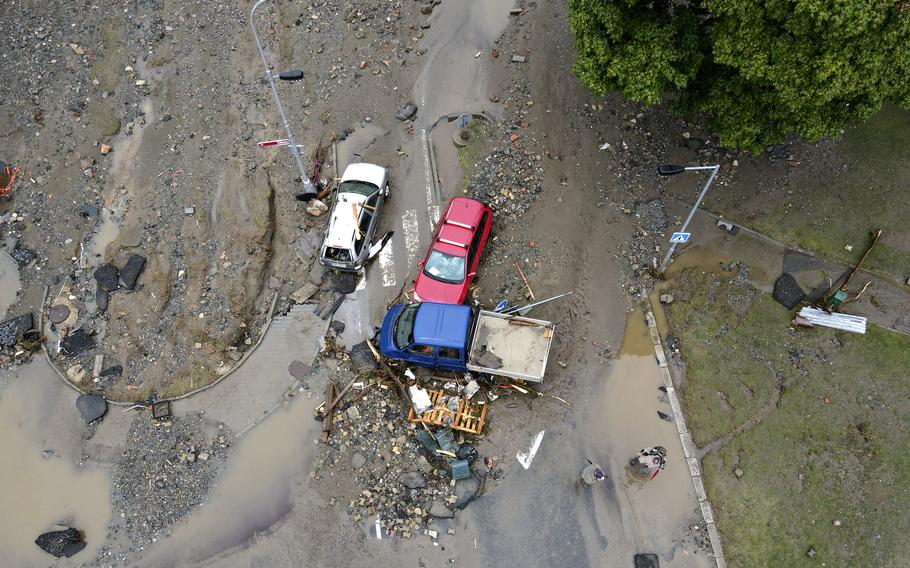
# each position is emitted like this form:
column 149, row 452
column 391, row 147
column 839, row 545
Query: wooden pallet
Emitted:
column 468, row 418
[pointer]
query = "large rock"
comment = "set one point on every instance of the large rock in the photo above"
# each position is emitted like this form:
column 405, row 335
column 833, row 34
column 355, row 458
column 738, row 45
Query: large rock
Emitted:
column 77, row 343
column 108, row 277
column 131, row 271
column 407, row 110
column 412, row 480
column 439, row 510
column 466, row 490
column 787, row 292
column 91, row 406
column 316, row 207
column 362, row 358
column 61, row 543
column 13, row 328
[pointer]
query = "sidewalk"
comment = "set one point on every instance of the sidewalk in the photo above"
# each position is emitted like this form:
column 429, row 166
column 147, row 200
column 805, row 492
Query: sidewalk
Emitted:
column 885, row 303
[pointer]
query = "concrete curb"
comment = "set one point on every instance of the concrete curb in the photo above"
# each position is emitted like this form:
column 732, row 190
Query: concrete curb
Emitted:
column 688, row 445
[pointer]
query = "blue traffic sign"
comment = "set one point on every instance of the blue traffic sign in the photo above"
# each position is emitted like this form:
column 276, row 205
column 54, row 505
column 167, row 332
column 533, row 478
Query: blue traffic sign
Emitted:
column 680, row 238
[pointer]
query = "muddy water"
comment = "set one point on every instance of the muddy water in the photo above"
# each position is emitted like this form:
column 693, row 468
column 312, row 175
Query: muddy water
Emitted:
column 252, row 495
column 453, row 79
column 654, row 514
column 9, row 282
column 40, row 440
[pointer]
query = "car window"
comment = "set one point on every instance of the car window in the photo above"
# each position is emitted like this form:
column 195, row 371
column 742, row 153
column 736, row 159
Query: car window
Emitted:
column 404, row 326
column 358, row 187
column 445, row 267
column 478, row 235
column 420, row 350
column 337, row 254
column 449, row 353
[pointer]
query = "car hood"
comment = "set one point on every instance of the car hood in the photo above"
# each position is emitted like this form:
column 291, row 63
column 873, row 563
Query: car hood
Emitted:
column 369, row 173
column 430, row 290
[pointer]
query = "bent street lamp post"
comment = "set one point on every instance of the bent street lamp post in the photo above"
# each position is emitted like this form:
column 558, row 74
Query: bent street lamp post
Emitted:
column 309, row 190
column 670, row 170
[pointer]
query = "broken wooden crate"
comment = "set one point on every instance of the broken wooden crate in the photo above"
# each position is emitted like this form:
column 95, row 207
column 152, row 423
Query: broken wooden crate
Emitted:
column 468, row 418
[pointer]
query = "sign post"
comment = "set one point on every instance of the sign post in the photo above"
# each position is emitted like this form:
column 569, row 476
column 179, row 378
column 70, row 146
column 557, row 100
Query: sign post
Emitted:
column 682, row 236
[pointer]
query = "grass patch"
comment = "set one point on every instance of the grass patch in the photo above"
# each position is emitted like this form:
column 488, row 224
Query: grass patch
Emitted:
column 833, row 448
column 834, row 197
column 475, row 150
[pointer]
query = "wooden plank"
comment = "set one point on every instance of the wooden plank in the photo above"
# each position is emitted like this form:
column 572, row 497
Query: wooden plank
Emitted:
column 327, row 418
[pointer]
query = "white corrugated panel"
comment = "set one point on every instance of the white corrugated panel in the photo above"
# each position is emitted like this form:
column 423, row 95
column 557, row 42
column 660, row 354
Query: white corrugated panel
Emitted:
column 845, row 322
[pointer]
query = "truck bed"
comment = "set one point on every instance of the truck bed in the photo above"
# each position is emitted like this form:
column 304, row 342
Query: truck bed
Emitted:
column 511, row 346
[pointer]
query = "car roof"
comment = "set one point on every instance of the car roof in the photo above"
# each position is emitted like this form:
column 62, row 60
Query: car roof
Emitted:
column 462, row 213
column 361, row 171
column 342, row 222
column 444, row 325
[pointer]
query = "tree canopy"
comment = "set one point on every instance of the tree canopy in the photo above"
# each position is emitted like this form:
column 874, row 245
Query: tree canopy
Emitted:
column 759, row 69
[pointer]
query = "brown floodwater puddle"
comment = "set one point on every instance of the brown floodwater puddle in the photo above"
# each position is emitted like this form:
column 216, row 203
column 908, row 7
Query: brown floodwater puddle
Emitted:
column 655, row 513
column 253, row 494
column 42, row 486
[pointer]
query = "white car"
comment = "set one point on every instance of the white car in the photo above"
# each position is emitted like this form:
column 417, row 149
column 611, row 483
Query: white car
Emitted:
column 354, row 216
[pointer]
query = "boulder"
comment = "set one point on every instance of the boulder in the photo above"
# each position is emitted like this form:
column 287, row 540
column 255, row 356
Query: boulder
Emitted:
column 362, row 358
column 13, row 328
column 76, row 373
column 114, row 371
column 61, row 543
column 439, row 510
column 77, row 343
column 91, row 406
column 666, row 298
column 131, row 271
column 412, row 480
column 315, row 207
column 466, row 490
column 337, row 326
column 108, row 277
column 407, row 110
column 787, row 292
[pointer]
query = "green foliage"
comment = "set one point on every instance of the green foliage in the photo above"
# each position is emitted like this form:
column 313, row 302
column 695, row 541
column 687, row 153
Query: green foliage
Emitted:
column 759, row 69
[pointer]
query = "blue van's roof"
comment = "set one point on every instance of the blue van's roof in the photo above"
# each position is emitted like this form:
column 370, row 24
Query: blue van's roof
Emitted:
column 444, row 325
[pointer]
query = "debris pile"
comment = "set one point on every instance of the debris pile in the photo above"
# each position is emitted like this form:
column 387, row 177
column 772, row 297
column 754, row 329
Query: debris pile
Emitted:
column 166, row 469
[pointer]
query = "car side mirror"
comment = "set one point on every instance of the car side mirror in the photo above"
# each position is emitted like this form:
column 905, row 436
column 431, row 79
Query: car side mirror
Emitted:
column 472, row 275
column 421, row 263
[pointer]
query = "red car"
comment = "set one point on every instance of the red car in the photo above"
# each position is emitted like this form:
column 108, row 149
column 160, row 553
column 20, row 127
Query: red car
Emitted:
column 451, row 264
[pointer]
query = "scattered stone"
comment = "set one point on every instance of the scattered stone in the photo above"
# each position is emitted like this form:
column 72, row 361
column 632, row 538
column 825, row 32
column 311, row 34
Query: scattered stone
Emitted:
column 316, row 207
column 423, row 465
column 787, row 291
column 23, row 256
column 466, row 490
column 77, row 343
column 337, row 326
column 89, row 210
column 666, row 298
column 407, row 111
column 439, row 510
column 12, row 329
column 108, row 277
column 304, row 293
column 91, row 406
column 811, row 552
column 105, row 149
column 112, row 372
column 131, row 271
column 102, row 298
column 76, row 373
column 738, row 473
column 518, row 59
column 357, row 460
column 412, row 480
column 362, row 357
column 61, row 543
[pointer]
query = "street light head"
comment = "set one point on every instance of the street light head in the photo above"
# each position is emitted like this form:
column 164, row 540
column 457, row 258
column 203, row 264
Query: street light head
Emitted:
column 670, row 169
column 291, row 75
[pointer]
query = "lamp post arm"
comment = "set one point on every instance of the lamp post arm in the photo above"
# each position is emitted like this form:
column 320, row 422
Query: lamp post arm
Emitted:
column 308, row 187
column 714, row 169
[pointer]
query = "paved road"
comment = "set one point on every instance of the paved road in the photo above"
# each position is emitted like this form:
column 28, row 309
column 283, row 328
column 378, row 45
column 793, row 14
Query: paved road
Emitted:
column 452, row 81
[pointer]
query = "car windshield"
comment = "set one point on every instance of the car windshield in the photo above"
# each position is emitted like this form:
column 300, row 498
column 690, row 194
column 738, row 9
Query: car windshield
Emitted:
column 404, row 326
column 358, row 187
column 337, row 254
column 445, row 267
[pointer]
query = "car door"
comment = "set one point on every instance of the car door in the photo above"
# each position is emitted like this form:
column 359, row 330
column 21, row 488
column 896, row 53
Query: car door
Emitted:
column 421, row 354
column 475, row 252
column 449, row 358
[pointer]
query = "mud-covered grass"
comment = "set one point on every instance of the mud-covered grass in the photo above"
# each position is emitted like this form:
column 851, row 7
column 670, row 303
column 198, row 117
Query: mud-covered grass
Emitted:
column 475, row 150
column 834, row 195
column 833, row 448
